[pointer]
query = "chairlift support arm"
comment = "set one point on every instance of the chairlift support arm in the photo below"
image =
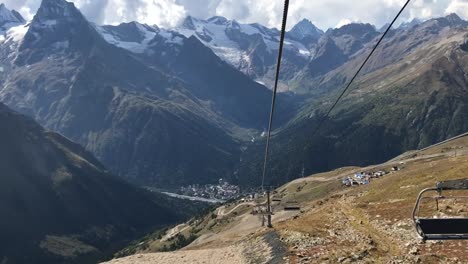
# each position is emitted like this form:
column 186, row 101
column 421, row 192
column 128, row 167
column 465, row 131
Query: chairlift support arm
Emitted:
column 441, row 229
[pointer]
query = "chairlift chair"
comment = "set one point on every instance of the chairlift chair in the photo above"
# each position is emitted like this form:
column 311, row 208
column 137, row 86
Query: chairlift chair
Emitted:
column 292, row 205
column 276, row 199
column 441, row 228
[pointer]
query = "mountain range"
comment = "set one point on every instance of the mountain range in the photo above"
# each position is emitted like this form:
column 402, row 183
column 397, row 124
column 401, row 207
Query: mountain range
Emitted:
column 253, row 48
column 89, row 108
column 168, row 107
column 151, row 112
column 412, row 93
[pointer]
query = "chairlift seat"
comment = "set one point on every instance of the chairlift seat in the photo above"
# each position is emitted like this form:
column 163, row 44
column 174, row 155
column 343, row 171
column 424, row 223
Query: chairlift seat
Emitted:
column 292, row 206
column 441, row 228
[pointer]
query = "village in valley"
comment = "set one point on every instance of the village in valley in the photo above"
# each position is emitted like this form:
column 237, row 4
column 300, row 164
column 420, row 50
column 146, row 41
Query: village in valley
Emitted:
column 221, row 191
column 225, row 191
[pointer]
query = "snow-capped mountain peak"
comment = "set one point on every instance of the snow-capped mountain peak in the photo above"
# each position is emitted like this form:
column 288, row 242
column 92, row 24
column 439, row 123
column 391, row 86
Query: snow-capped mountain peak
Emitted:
column 138, row 38
column 455, row 20
column 409, row 24
column 57, row 21
column 9, row 16
column 252, row 48
column 57, row 27
column 305, row 29
column 189, row 23
column 219, row 20
column 11, row 25
column 57, row 9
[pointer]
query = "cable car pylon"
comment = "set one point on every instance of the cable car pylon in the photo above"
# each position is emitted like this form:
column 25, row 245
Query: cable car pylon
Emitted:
column 272, row 111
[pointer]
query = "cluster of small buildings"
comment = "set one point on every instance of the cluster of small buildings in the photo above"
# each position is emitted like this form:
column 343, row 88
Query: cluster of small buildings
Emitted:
column 221, row 191
column 362, row 178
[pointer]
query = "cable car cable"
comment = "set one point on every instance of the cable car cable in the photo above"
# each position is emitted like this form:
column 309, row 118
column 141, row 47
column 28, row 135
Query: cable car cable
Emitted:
column 275, row 90
column 359, row 70
column 340, row 97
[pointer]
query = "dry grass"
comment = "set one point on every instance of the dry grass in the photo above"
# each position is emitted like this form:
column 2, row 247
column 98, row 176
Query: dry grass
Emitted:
column 375, row 220
column 365, row 224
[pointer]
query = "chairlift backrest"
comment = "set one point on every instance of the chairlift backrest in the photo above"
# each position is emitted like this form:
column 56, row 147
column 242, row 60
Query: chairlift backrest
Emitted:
column 292, row 205
column 441, row 228
column 452, row 185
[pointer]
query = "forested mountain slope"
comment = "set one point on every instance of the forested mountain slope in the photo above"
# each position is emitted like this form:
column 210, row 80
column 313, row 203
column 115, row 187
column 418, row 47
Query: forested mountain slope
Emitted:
column 59, row 203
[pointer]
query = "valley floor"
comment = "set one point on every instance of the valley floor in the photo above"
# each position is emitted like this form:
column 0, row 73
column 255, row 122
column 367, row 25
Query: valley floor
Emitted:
column 336, row 224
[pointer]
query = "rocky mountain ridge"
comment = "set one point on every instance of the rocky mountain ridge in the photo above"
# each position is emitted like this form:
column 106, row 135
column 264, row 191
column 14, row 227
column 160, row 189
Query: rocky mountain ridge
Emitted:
column 136, row 112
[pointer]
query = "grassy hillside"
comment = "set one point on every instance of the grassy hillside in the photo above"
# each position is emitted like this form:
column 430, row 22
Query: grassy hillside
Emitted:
column 336, row 224
column 372, row 223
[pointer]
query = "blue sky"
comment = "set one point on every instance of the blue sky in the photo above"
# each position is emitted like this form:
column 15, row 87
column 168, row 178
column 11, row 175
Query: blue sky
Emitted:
column 324, row 13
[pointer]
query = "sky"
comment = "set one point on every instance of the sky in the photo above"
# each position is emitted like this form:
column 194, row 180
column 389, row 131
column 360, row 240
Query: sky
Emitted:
column 323, row 13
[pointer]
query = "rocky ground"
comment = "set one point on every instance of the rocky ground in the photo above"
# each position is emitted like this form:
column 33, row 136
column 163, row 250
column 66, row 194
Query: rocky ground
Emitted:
column 232, row 254
column 370, row 224
column 265, row 248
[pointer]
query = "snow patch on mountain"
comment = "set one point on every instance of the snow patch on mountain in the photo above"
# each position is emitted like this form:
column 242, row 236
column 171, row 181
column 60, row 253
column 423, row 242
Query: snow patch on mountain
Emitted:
column 45, row 24
column 229, row 54
column 231, row 40
column 50, row 22
column 139, row 45
column 16, row 33
column 208, row 32
column 171, row 37
column 133, row 46
column 299, row 47
column 213, row 33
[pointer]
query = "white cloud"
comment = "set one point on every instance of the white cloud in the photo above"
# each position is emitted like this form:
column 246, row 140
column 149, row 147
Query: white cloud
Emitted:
column 330, row 13
column 165, row 13
column 200, row 8
column 324, row 13
column 27, row 8
column 458, row 6
column 26, row 12
column 93, row 8
column 343, row 22
column 234, row 8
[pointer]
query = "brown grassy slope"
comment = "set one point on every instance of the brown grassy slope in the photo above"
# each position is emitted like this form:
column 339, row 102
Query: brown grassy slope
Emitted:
column 372, row 223
column 366, row 224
